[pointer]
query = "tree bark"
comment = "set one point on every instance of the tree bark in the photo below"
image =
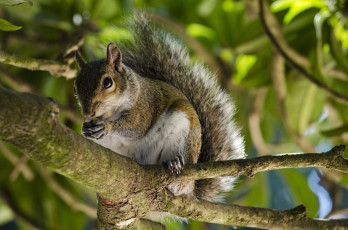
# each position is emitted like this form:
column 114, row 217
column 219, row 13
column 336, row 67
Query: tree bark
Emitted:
column 128, row 190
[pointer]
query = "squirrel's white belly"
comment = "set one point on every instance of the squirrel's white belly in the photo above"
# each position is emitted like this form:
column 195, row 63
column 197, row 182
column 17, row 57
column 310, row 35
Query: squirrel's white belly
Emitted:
column 166, row 139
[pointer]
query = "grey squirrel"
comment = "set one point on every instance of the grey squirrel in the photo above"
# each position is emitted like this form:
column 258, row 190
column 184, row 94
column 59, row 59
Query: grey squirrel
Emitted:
column 151, row 103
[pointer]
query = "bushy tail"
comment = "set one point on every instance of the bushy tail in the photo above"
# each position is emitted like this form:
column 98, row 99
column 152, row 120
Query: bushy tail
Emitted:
column 158, row 55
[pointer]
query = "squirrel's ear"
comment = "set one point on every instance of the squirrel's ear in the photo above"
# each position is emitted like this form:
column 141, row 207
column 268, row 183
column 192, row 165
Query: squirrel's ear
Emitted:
column 114, row 57
column 79, row 59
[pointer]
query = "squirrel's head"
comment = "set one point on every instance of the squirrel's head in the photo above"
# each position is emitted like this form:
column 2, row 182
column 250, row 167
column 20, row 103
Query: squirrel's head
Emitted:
column 100, row 84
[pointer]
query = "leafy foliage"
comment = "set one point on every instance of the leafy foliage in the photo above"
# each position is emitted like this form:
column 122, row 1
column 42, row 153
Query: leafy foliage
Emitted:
column 231, row 33
column 7, row 26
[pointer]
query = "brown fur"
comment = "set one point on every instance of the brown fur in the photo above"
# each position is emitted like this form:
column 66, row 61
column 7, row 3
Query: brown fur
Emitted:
column 156, row 98
column 156, row 55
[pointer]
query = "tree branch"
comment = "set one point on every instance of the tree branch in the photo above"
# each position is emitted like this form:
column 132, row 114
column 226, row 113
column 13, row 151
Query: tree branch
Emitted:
column 54, row 67
column 332, row 159
column 235, row 215
column 30, row 122
column 127, row 190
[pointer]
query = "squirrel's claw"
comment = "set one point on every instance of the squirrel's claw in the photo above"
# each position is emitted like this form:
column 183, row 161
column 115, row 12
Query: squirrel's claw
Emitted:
column 93, row 131
column 176, row 165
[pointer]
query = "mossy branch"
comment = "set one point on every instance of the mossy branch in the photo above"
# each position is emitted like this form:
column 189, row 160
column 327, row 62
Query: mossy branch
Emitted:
column 127, row 190
column 331, row 159
column 56, row 68
column 235, row 215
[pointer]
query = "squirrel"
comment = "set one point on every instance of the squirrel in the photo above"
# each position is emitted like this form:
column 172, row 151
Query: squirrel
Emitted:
column 151, row 103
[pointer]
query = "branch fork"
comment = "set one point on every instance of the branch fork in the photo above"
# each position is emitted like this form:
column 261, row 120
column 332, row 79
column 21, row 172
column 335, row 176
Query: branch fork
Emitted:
column 128, row 190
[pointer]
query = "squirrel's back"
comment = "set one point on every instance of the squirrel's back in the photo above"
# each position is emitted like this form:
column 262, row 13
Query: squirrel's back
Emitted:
column 158, row 55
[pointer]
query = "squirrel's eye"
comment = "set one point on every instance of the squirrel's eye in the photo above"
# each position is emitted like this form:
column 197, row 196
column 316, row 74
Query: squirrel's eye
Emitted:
column 107, row 83
column 74, row 90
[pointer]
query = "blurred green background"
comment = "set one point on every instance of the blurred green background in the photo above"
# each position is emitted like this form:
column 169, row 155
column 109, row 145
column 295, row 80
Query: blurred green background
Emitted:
column 278, row 109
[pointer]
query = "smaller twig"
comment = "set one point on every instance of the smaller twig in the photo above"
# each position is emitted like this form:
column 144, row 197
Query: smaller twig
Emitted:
column 342, row 212
column 334, row 190
column 254, row 123
column 25, row 170
column 20, row 164
column 54, row 67
column 332, row 159
column 69, row 54
column 71, row 114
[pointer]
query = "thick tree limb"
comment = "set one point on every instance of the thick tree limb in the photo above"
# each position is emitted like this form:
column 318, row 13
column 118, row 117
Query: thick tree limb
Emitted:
column 128, row 190
column 31, row 123
column 54, row 67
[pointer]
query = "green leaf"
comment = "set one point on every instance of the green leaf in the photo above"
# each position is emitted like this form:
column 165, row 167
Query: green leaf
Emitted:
column 243, row 64
column 281, row 5
column 300, row 191
column 259, row 192
column 317, row 60
column 342, row 110
column 198, row 30
column 344, row 180
column 14, row 2
column 338, row 85
column 195, row 225
column 294, row 11
column 336, row 131
column 304, row 104
column 295, row 7
column 56, row 88
column 337, row 53
column 206, row 7
column 8, row 26
column 307, row 107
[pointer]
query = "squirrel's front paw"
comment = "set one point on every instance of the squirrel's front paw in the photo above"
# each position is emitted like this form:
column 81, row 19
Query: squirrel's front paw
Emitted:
column 94, row 129
column 176, row 165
